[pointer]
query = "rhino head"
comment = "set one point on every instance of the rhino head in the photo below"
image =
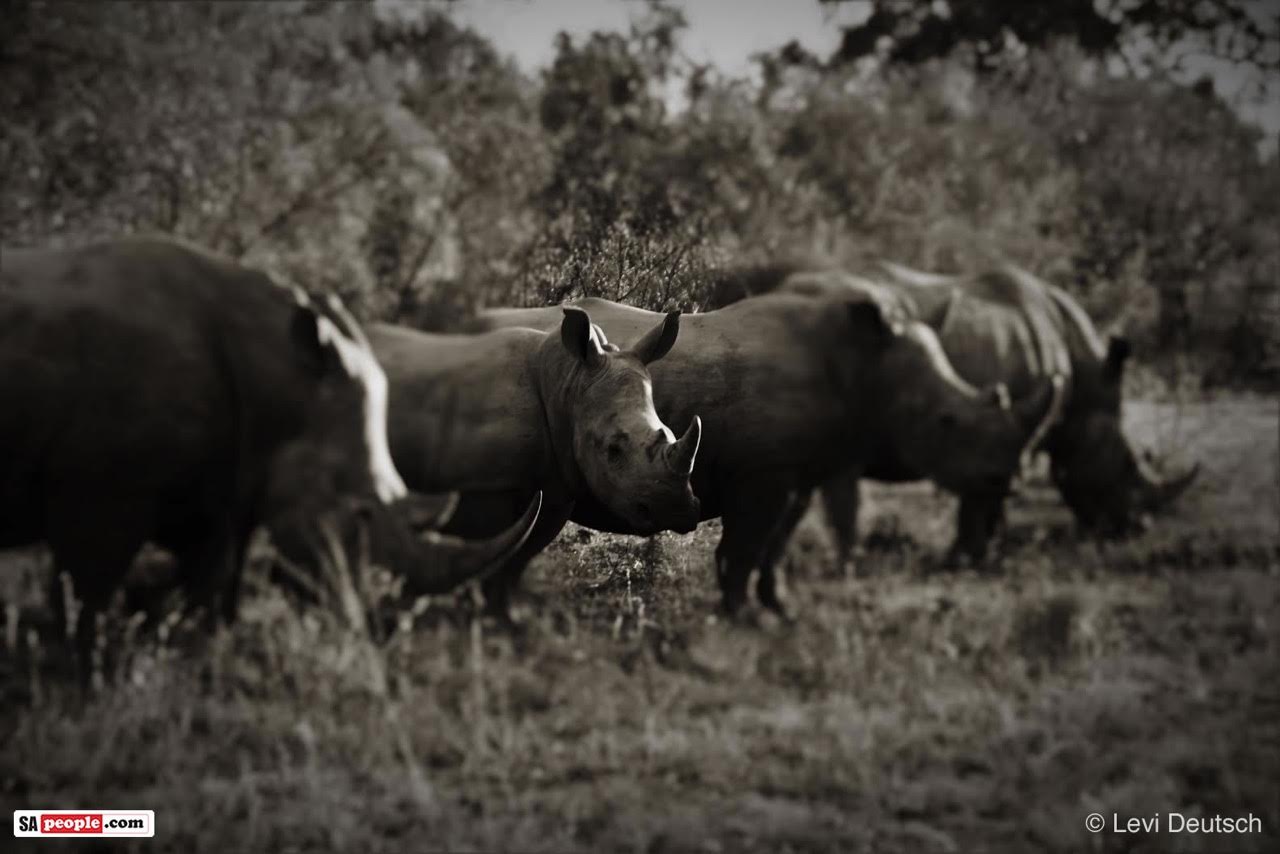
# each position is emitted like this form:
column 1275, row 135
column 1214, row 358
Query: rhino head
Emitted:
column 966, row 439
column 1108, row 487
column 336, row 481
column 603, row 416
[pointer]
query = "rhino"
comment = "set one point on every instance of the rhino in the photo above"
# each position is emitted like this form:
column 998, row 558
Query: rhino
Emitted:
column 152, row 391
column 501, row 415
column 1005, row 325
column 791, row 388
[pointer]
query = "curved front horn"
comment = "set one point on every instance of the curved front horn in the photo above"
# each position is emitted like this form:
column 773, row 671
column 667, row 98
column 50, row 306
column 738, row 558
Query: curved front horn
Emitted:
column 436, row 563
column 681, row 455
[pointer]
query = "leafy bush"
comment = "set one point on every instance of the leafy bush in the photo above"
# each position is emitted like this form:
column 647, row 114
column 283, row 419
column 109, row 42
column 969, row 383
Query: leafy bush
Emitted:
column 394, row 157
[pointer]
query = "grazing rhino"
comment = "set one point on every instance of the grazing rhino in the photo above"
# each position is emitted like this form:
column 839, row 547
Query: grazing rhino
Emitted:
column 153, row 392
column 792, row 388
column 1007, row 326
column 500, row 415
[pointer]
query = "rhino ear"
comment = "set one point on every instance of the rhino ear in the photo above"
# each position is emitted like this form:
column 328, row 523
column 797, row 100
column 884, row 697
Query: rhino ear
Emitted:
column 578, row 337
column 870, row 324
column 659, row 340
column 1118, row 349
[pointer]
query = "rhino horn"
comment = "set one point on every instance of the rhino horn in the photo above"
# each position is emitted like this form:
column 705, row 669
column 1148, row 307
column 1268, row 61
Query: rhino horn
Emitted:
column 430, row 512
column 438, row 563
column 681, row 455
column 1159, row 492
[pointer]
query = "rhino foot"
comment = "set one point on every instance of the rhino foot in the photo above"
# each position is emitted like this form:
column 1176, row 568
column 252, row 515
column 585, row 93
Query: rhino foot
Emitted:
column 507, row 618
column 955, row 560
column 960, row 560
column 731, row 607
column 756, row 617
column 786, row 614
column 773, row 604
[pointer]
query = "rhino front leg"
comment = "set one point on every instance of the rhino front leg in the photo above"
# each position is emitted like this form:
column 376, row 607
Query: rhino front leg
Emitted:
column 210, row 571
column 750, row 517
column 978, row 519
column 840, row 503
column 768, row 589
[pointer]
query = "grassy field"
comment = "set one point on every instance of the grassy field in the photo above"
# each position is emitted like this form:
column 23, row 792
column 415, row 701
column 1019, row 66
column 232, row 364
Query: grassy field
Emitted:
column 909, row 710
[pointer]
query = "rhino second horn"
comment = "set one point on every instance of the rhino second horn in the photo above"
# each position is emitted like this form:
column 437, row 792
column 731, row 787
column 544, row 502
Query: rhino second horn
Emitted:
column 682, row 454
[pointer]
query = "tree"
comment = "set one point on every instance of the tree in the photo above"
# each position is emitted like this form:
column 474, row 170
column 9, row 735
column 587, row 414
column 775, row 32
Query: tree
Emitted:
column 916, row 31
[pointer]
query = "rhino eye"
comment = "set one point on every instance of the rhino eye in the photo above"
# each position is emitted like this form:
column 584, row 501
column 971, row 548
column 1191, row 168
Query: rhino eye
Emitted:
column 615, row 452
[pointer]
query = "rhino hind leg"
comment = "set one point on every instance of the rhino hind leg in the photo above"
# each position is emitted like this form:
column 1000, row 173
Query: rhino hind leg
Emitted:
column 840, row 505
column 210, row 573
column 97, row 558
column 751, row 519
column 768, row 588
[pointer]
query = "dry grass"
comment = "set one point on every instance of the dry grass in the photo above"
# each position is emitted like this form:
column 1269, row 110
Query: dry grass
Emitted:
column 908, row 710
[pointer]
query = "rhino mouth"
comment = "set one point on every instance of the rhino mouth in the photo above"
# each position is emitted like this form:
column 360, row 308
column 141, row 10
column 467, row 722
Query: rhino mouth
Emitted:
column 686, row 527
column 681, row 523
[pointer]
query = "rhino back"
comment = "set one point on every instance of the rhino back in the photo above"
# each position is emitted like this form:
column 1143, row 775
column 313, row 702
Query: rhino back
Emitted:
column 1065, row 338
column 989, row 343
column 126, row 369
column 768, row 376
column 464, row 411
column 489, row 319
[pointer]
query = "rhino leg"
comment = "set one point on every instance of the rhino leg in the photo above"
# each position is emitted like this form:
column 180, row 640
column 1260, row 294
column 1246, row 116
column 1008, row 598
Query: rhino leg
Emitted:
column 499, row 585
column 96, row 556
column 231, row 590
column 840, row 503
column 978, row 520
column 750, row 518
column 210, row 571
column 767, row 588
